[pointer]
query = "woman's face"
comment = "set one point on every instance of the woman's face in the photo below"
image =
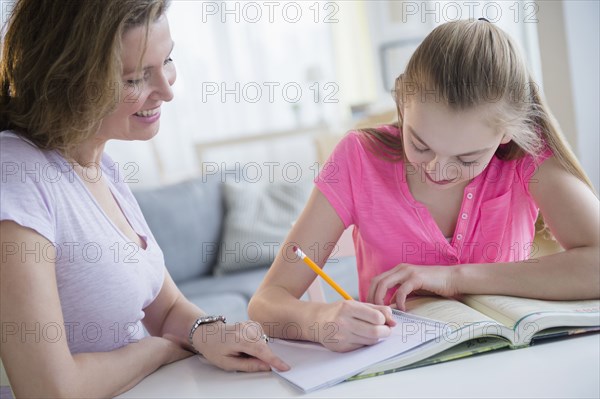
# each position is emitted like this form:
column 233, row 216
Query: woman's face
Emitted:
column 445, row 147
column 137, row 116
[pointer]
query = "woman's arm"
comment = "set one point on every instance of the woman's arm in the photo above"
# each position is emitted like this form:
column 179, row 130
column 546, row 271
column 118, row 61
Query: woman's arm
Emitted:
column 570, row 210
column 172, row 316
column 38, row 367
column 276, row 304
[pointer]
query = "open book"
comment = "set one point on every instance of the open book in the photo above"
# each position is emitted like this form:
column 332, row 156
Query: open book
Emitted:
column 437, row 329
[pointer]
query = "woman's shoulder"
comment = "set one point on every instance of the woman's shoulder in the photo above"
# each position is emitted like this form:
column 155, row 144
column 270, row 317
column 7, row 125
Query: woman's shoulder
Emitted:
column 16, row 148
column 10, row 137
column 24, row 162
column 28, row 178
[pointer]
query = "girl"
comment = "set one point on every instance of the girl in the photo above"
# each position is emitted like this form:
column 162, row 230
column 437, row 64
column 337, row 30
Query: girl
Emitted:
column 446, row 200
column 73, row 307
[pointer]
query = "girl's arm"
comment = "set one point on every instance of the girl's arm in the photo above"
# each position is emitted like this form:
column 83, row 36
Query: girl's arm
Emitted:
column 570, row 210
column 342, row 325
column 38, row 366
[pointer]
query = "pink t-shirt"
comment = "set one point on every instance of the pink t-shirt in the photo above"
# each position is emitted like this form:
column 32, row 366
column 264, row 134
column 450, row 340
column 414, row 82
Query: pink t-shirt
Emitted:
column 495, row 223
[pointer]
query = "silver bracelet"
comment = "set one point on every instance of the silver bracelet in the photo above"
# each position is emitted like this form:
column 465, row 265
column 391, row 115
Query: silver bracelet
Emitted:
column 203, row 320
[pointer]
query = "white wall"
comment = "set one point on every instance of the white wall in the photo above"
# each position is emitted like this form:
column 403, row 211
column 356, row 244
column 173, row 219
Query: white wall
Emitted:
column 395, row 20
column 583, row 43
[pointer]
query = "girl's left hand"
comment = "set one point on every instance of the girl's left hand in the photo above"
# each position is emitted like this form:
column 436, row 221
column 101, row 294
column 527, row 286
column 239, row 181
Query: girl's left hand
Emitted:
column 440, row 280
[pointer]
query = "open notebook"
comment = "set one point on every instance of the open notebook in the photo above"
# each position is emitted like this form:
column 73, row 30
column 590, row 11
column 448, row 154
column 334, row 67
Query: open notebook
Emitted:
column 440, row 329
column 315, row 367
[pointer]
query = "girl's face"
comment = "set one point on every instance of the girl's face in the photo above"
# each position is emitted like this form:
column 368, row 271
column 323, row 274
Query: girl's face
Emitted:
column 445, row 148
column 142, row 93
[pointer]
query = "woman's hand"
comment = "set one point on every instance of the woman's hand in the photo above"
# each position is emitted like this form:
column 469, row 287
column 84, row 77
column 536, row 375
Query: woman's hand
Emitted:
column 440, row 280
column 348, row 325
column 236, row 346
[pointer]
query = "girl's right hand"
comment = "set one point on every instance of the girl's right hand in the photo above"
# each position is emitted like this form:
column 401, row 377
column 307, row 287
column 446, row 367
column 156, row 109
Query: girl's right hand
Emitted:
column 348, row 325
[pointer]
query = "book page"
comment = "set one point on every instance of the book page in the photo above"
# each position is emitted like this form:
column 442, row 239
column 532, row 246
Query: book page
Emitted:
column 454, row 313
column 464, row 349
column 510, row 310
column 315, row 367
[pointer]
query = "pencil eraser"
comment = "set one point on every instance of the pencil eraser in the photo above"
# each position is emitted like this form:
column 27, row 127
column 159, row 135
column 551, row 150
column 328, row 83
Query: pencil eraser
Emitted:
column 294, row 248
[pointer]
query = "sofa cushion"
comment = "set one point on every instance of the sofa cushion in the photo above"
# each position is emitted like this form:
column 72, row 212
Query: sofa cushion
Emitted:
column 258, row 217
column 231, row 305
column 245, row 283
column 186, row 220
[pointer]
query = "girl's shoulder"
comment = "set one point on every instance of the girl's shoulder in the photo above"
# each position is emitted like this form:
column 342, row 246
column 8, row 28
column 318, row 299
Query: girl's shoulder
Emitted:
column 528, row 164
column 517, row 172
column 367, row 137
column 386, row 129
column 389, row 129
column 506, row 155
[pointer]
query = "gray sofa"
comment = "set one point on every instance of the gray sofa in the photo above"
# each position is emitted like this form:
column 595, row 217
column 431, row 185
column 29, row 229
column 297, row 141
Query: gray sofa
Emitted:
column 219, row 236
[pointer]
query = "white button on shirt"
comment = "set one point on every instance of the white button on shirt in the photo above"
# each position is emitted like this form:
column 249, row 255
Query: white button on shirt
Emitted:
column 470, row 196
column 464, row 216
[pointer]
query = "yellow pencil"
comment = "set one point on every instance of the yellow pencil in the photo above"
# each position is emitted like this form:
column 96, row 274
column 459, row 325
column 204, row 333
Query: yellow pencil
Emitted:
column 321, row 273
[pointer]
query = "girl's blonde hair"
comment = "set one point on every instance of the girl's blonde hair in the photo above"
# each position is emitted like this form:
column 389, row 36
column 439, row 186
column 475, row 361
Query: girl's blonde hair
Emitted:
column 61, row 69
column 463, row 64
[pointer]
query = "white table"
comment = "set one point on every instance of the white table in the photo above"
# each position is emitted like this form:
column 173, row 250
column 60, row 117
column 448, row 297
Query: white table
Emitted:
column 567, row 368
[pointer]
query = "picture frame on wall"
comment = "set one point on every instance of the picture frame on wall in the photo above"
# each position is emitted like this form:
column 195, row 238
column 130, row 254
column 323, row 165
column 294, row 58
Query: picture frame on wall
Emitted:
column 394, row 57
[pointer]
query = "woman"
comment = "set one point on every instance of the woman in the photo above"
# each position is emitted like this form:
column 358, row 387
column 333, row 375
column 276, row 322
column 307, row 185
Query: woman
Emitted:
column 81, row 272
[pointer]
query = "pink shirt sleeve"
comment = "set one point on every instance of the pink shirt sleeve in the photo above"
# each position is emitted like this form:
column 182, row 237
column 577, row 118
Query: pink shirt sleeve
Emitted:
column 340, row 178
column 528, row 166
